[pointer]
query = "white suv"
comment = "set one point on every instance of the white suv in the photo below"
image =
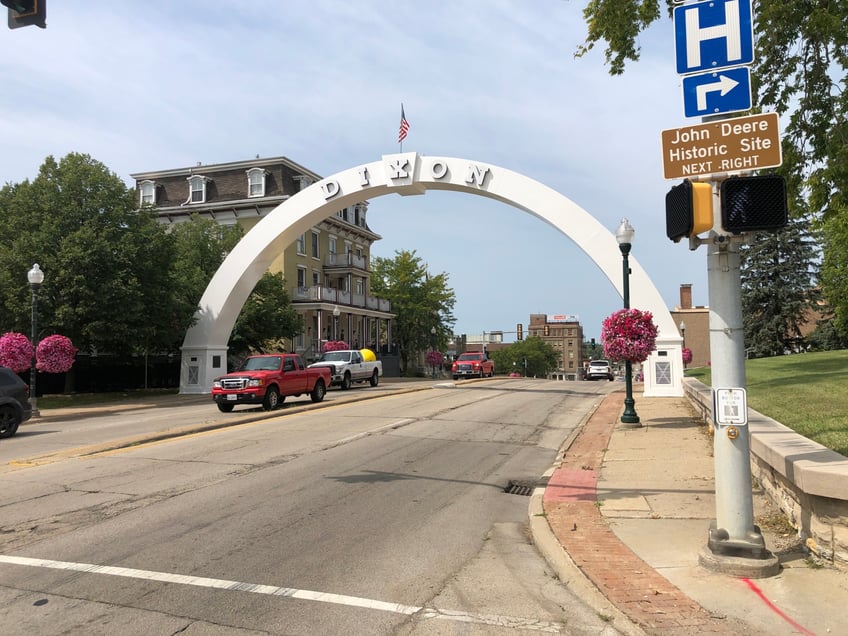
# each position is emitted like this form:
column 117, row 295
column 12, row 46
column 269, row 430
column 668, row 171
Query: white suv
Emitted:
column 599, row 369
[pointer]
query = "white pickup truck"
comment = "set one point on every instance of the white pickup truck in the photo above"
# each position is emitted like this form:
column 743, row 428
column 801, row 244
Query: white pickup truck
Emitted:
column 349, row 366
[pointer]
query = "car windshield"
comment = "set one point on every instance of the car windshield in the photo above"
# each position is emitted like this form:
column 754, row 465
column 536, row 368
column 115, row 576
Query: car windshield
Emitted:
column 334, row 356
column 470, row 356
column 270, row 363
column 599, row 363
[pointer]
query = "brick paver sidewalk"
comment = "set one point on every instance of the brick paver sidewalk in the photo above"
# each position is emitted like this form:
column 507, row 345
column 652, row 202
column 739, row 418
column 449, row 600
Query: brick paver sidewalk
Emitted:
column 641, row 593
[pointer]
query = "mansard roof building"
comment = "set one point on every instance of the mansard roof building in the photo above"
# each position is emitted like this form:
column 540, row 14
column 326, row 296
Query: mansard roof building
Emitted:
column 327, row 270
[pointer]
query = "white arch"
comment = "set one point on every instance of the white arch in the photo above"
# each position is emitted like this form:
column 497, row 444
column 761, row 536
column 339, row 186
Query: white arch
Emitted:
column 205, row 345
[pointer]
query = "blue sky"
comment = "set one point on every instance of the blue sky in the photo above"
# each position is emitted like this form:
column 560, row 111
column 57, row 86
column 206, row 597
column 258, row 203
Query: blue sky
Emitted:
column 160, row 84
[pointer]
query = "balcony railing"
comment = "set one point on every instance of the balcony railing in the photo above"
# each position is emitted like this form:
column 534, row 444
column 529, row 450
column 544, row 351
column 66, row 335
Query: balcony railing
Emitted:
column 345, row 260
column 320, row 293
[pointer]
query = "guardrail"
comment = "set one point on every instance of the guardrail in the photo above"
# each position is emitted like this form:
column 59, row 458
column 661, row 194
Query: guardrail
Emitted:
column 806, row 480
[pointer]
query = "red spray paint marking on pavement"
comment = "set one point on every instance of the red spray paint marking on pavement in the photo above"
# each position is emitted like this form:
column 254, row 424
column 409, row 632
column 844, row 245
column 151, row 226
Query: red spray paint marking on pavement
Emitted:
column 776, row 609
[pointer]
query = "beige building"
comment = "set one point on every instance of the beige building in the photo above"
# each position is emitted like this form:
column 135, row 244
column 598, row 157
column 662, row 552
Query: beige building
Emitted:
column 327, row 270
column 565, row 334
column 693, row 325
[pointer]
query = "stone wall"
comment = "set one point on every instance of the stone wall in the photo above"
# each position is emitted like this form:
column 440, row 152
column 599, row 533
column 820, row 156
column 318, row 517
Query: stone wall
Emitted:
column 806, row 480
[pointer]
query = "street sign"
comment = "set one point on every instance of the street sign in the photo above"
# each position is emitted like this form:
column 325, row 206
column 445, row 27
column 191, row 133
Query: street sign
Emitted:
column 717, row 92
column 712, row 35
column 723, row 146
column 731, row 406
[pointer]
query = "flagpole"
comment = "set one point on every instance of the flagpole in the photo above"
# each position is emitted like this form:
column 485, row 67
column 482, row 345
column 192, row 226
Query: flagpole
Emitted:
column 403, row 128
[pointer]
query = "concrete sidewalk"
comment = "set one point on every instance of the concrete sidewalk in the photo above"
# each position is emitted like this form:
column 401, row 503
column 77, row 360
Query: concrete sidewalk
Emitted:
column 631, row 509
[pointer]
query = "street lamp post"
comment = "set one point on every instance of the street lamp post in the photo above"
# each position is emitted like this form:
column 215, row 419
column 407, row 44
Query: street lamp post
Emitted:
column 336, row 313
column 683, row 335
column 433, row 346
column 624, row 235
column 35, row 277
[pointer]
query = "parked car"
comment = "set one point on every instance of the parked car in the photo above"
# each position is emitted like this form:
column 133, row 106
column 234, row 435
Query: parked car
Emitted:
column 598, row 370
column 14, row 402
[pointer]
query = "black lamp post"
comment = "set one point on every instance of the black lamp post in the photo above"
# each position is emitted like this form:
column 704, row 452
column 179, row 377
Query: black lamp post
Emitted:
column 35, row 277
column 624, row 235
column 433, row 346
column 683, row 335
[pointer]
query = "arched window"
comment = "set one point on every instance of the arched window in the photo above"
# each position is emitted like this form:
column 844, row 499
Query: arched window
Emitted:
column 256, row 182
column 147, row 192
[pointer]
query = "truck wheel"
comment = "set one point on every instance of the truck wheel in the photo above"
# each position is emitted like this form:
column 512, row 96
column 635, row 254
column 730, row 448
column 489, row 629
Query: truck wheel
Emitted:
column 225, row 408
column 318, row 391
column 346, row 381
column 272, row 399
column 375, row 378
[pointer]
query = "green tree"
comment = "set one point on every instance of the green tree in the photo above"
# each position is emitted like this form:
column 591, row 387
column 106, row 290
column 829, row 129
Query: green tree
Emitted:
column 107, row 266
column 778, row 287
column 540, row 357
column 800, row 72
column 266, row 320
column 420, row 300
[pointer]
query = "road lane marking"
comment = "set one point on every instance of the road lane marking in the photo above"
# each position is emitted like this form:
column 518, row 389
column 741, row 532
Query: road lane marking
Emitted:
column 289, row 592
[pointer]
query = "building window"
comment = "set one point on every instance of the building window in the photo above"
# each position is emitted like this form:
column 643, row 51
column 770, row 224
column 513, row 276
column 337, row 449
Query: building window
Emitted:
column 148, row 193
column 301, row 277
column 360, row 286
column 197, row 187
column 332, row 245
column 315, row 251
column 256, row 182
column 301, row 245
column 316, row 277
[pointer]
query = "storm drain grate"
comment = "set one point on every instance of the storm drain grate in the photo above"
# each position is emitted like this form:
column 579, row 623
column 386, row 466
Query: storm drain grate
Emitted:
column 518, row 487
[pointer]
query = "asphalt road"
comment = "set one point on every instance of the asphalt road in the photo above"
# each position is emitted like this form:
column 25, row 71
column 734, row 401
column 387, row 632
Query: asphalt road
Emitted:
column 385, row 516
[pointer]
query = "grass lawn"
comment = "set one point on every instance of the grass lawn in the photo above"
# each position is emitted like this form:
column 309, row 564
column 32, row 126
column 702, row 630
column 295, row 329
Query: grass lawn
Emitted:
column 807, row 392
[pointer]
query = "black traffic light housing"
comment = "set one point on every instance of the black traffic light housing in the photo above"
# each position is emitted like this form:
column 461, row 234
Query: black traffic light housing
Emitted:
column 519, row 331
column 753, row 203
column 688, row 210
column 547, row 330
column 26, row 13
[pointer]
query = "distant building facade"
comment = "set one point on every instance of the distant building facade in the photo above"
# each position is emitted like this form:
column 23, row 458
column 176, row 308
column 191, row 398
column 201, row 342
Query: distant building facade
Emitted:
column 693, row 325
column 327, row 270
column 564, row 333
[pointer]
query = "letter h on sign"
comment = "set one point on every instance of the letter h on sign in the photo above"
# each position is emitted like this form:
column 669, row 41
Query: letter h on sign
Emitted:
column 713, row 34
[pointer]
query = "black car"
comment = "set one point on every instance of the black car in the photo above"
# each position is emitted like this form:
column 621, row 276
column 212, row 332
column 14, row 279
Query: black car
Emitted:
column 14, row 402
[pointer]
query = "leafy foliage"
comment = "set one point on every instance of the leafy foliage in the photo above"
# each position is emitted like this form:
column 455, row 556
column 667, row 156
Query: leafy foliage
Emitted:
column 778, row 288
column 540, row 357
column 266, row 320
column 422, row 301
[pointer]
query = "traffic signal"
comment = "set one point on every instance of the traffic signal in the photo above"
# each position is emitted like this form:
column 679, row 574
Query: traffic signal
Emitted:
column 547, row 330
column 26, row 12
column 519, row 331
column 593, row 343
column 753, row 203
column 688, row 209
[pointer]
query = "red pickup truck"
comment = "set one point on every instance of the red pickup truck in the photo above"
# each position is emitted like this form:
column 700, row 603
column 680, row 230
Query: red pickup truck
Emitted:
column 472, row 364
column 267, row 379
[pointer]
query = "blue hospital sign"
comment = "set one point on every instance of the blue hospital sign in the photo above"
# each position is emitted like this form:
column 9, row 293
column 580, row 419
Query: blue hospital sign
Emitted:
column 712, row 35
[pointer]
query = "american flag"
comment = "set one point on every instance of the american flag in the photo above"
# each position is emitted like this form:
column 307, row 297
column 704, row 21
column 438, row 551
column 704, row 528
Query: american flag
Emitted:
column 404, row 126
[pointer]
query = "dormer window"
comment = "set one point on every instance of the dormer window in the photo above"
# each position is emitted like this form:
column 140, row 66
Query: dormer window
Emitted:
column 256, row 182
column 147, row 192
column 197, row 188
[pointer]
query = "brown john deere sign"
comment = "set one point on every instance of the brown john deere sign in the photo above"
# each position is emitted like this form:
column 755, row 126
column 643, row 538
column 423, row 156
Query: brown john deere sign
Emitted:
column 723, row 146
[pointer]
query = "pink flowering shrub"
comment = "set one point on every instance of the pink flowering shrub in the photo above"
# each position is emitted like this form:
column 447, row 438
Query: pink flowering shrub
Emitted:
column 629, row 334
column 687, row 355
column 55, row 354
column 335, row 345
column 15, row 351
column 434, row 358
